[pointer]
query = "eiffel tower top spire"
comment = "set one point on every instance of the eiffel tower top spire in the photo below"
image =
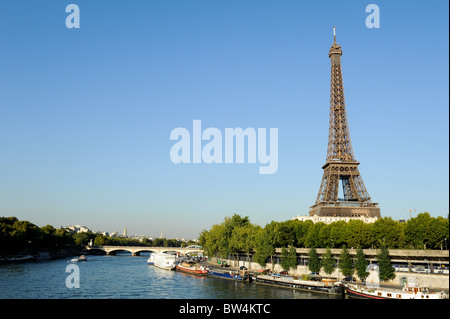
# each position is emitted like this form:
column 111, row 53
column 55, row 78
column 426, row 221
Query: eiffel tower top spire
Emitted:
column 339, row 142
column 334, row 34
column 335, row 51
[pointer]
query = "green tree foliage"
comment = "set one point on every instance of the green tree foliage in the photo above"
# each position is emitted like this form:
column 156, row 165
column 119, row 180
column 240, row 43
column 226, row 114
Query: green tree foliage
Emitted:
column 313, row 239
column 234, row 235
column 82, row 239
column 314, row 264
column 301, row 231
column 284, row 262
column 328, row 262
column 386, row 270
column 388, row 232
column 264, row 247
column 19, row 236
column 425, row 231
column 337, row 234
column 361, row 264
column 357, row 234
column 243, row 238
column 346, row 263
column 288, row 258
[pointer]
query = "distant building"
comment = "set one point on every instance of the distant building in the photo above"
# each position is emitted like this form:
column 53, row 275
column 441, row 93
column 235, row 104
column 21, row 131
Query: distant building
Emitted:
column 125, row 232
column 74, row 229
column 332, row 219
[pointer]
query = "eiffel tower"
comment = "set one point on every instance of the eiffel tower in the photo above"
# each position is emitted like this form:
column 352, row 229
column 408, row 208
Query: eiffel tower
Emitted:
column 341, row 164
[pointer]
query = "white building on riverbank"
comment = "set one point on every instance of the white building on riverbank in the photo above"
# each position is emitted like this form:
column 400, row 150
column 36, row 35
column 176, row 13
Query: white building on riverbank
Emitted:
column 332, row 219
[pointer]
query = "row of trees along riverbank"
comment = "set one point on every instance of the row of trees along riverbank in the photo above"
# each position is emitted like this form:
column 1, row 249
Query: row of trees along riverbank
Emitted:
column 237, row 234
column 23, row 236
column 346, row 263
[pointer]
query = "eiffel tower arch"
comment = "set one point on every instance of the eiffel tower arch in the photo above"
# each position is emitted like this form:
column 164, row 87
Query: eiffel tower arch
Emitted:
column 341, row 165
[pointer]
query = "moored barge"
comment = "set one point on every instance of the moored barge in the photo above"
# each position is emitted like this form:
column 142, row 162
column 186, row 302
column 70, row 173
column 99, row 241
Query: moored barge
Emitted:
column 227, row 274
column 410, row 290
column 191, row 267
column 325, row 286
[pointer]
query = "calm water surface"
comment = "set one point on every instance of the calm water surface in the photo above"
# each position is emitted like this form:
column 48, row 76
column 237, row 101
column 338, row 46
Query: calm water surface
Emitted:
column 127, row 277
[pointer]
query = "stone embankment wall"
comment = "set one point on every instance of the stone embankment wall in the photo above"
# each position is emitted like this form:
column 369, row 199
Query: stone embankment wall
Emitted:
column 435, row 281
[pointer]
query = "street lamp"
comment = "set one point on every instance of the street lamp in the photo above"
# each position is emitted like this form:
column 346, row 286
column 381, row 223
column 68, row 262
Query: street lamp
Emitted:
column 410, row 210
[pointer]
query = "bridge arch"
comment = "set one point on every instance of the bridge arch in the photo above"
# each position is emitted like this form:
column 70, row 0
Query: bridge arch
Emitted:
column 143, row 250
column 115, row 251
column 97, row 251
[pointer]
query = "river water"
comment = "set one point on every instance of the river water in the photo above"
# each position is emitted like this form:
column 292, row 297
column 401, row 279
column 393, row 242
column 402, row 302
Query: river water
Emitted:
column 127, row 277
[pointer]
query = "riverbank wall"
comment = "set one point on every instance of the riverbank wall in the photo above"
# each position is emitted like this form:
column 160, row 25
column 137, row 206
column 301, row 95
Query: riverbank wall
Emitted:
column 434, row 281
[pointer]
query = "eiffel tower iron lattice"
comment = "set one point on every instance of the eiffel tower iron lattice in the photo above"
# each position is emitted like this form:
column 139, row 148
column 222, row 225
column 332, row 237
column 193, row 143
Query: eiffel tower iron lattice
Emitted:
column 341, row 164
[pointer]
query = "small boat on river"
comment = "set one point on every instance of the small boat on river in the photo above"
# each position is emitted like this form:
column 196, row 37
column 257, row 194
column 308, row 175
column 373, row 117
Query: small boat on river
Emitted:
column 192, row 267
column 19, row 258
column 78, row 259
column 227, row 274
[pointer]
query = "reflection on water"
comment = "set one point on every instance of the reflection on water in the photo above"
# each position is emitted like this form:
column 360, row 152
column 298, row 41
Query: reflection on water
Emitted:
column 124, row 276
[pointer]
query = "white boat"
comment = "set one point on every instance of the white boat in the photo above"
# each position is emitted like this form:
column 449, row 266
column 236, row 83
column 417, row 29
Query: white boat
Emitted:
column 411, row 290
column 78, row 259
column 19, row 258
column 151, row 259
column 165, row 261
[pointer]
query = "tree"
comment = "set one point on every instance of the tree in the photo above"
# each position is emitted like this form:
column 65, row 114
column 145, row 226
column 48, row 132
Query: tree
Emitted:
column 346, row 263
column 313, row 237
column 314, row 261
column 387, row 272
column 357, row 234
column 81, row 239
column 337, row 234
column 100, row 241
column 243, row 239
column 416, row 230
column 438, row 231
column 234, row 234
column 425, row 231
column 324, row 236
column 285, row 233
column 264, row 247
column 388, row 232
column 328, row 262
column 288, row 258
column 361, row 264
column 147, row 242
column 284, row 262
column 292, row 257
column 301, row 231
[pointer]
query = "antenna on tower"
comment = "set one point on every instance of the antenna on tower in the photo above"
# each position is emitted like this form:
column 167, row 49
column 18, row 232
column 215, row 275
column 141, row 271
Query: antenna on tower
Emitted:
column 334, row 33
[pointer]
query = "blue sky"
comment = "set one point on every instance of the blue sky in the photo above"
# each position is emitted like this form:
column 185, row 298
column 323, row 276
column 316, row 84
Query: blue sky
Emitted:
column 86, row 114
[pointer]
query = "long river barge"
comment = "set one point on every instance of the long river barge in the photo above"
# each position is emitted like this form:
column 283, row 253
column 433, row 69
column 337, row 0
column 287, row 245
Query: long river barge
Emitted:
column 324, row 286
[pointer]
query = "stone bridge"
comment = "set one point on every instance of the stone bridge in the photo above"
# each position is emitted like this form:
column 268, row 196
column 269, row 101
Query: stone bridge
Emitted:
column 137, row 250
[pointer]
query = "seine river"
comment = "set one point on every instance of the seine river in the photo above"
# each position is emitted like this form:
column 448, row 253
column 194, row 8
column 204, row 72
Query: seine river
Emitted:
column 126, row 277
